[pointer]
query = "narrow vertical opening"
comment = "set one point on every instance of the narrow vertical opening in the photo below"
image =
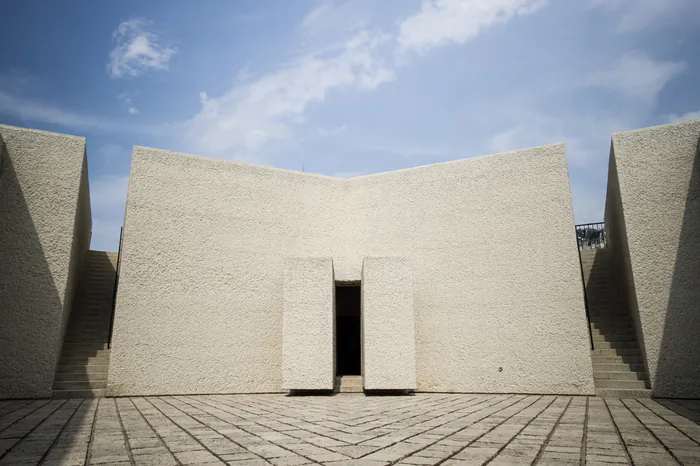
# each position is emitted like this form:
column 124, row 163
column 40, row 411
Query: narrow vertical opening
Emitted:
column 348, row 329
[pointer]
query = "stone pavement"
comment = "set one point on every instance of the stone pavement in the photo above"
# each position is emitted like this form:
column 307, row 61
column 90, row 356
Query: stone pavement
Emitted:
column 350, row 429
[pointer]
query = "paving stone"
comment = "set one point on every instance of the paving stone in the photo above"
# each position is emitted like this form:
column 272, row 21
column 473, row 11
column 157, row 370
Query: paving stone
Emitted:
column 349, row 430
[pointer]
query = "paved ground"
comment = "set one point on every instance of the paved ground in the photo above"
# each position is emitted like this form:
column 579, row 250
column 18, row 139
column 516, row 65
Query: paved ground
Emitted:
column 350, row 429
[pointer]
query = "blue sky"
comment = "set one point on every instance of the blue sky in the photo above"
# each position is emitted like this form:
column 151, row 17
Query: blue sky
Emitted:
column 345, row 88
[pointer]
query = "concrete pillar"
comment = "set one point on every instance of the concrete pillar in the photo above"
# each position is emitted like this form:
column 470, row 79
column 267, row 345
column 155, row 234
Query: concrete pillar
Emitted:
column 388, row 333
column 308, row 334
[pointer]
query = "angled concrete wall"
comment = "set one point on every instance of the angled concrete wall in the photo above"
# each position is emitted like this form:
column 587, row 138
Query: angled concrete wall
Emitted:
column 388, row 332
column 201, row 287
column 308, row 335
column 497, row 296
column 653, row 218
column 497, row 284
column 44, row 234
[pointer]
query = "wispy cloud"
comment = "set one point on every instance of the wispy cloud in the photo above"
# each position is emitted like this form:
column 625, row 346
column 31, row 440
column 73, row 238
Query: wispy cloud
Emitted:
column 441, row 22
column 641, row 15
column 137, row 49
column 675, row 118
column 250, row 114
column 128, row 102
column 332, row 131
column 636, row 76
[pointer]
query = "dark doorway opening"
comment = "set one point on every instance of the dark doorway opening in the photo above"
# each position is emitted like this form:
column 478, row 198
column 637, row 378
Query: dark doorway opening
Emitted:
column 348, row 346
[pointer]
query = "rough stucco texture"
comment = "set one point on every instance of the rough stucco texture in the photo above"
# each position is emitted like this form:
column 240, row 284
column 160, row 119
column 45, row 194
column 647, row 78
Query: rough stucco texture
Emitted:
column 388, row 332
column 44, row 233
column 656, row 241
column 308, row 361
column 497, row 293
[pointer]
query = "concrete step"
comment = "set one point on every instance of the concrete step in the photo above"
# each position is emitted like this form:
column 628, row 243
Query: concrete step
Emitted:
column 82, row 369
column 603, row 344
column 84, row 345
column 612, row 352
column 65, row 394
column 349, row 384
column 77, row 377
column 59, row 385
column 75, row 361
column 620, row 384
column 617, row 375
column 623, row 393
column 616, row 360
column 618, row 367
column 613, row 337
column 84, row 352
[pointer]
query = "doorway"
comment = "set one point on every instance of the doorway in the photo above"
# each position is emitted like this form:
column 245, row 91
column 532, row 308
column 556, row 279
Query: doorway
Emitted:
column 348, row 339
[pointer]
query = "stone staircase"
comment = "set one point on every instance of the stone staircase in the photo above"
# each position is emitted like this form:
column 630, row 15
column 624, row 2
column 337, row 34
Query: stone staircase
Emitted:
column 618, row 367
column 82, row 368
column 349, row 384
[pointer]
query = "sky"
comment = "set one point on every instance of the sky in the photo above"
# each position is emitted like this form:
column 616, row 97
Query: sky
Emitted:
column 346, row 88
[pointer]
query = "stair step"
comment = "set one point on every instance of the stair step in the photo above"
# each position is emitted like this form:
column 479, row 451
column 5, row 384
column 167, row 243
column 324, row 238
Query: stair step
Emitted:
column 620, row 384
column 612, row 352
column 616, row 359
column 615, row 337
column 349, row 384
column 619, row 367
column 617, row 375
column 602, row 344
column 59, row 385
column 82, row 369
column 64, row 394
column 84, row 353
column 623, row 393
column 83, row 360
column 77, row 377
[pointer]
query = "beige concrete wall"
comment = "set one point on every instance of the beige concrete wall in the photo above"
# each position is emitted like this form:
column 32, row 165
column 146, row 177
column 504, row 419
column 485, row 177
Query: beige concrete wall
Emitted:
column 497, row 289
column 44, row 233
column 308, row 335
column 388, row 332
column 200, row 299
column 653, row 213
column 497, row 285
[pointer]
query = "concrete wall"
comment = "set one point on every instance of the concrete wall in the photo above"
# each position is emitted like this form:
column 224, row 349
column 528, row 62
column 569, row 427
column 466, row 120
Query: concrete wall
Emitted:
column 497, row 287
column 308, row 336
column 44, row 233
column 653, row 214
column 200, row 299
column 388, row 331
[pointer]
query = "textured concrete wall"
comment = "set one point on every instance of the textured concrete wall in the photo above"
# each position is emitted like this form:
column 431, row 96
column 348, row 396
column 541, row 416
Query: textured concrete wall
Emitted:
column 200, row 299
column 496, row 282
column 388, row 332
column 44, row 233
column 308, row 336
column 654, row 218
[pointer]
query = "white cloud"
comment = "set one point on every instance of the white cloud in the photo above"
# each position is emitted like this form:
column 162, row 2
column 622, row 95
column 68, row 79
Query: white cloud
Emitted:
column 641, row 15
column 250, row 114
column 128, row 102
column 441, row 22
column 635, row 76
column 675, row 118
column 137, row 49
column 332, row 131
column 108, row 200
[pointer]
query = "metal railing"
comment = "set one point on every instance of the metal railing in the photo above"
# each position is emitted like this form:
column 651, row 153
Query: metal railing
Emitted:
column 116, row 284
column 591, row 236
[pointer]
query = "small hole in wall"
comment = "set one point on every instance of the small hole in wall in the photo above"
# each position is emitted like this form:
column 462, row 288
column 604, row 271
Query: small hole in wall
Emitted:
column 500, row 369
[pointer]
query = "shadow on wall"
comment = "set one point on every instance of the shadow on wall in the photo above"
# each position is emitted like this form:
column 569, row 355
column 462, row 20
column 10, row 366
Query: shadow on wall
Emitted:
column 678, row 369
column 28, row 295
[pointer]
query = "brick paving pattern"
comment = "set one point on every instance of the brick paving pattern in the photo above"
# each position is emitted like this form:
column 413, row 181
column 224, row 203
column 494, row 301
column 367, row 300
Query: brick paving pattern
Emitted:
column 346, row 429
